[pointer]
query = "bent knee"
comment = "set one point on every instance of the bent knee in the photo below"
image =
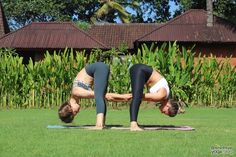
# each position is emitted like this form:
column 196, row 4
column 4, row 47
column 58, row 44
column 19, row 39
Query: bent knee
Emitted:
column 135, row 68
column 105, row 68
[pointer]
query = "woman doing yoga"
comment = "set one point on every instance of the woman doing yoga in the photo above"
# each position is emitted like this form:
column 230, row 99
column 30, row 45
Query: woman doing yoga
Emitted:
column 95, row 74
column 140, row 75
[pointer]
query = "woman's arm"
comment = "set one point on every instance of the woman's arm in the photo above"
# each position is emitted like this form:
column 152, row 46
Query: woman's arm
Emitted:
column 79, row 92
column 155, row 97
column 82, row 93
column 118, row 97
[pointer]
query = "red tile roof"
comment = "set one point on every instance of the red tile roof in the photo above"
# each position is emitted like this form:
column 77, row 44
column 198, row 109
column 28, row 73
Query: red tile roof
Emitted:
column 188, row 27
column 46, row 35
column 192, row 27
column 113, row 35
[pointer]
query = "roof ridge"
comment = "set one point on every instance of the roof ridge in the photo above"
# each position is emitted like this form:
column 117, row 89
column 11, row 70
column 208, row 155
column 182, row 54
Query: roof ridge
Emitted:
column 125, row 24
column 168, row 22
column 15, row 31
column 71, row 23
column 51, row 22
column 95, row 39
column 30, row 25
column 77, row 28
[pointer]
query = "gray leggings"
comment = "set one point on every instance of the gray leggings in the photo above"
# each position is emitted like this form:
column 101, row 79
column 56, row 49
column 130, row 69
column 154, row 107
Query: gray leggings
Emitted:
column 100, row 73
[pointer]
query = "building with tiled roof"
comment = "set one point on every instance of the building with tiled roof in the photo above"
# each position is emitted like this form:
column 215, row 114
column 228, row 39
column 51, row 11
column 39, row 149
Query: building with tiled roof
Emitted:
column 50, row 35
column 36, row 38
column 190, row 28
column 113, row 35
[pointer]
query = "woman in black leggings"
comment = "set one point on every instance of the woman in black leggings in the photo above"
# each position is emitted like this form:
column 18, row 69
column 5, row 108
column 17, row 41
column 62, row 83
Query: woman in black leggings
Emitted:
column 95, row 75
column 140, row 75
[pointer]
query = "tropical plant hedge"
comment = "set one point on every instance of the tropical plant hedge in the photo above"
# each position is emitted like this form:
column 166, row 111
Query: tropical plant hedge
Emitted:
column 46, row 84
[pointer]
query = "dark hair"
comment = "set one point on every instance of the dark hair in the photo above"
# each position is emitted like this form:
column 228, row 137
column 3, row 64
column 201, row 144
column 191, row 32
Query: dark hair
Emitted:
column 173, row 111
column 65, row 112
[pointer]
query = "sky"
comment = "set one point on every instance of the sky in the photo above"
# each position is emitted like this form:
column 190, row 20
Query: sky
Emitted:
column 173, row 7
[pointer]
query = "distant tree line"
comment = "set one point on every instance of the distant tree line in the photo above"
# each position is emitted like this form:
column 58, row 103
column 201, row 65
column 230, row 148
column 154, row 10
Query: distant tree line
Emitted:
column 20, row 13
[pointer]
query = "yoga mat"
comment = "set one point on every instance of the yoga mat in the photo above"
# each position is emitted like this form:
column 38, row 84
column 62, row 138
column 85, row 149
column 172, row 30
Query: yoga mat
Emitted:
column 121, row 127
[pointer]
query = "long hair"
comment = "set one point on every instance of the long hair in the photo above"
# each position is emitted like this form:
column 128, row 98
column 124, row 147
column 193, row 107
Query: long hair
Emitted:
column 173, row 111
column 177, row 107
column 65, row 113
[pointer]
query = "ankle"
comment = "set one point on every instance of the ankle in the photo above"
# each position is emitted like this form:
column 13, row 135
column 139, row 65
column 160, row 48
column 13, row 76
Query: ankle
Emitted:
column 134, row 124
column 100, row 121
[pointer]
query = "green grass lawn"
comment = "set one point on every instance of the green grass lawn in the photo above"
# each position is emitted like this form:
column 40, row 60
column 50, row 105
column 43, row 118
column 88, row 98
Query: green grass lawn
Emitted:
column 23, row 133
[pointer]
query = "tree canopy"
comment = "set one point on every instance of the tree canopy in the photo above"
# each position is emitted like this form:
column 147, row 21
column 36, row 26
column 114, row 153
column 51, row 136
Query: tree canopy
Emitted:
column 223, row 8
column 23, row 12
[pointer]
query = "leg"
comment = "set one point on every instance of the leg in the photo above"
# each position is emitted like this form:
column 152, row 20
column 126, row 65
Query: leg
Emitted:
column 101, row 75
column 139, row 74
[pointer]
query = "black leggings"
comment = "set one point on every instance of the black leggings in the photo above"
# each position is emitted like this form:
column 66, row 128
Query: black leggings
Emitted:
column 100, row 72
column 139, row 75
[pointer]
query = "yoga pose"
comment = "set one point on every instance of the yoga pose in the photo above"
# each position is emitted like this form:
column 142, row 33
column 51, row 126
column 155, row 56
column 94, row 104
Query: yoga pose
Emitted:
column 140, row 75
column 95, row 74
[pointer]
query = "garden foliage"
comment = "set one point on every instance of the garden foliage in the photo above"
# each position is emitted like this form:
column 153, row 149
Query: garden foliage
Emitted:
column 46, row 84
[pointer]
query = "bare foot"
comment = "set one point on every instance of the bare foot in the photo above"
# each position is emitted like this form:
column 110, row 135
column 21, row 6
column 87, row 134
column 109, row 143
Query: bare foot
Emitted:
column 136, row 129
column 97, row 128
column 100, row 121
column 134, row 126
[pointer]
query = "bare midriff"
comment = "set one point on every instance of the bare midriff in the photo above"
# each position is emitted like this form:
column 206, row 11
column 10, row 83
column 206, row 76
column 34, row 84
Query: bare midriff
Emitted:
column 84, row 77
column 154, row 78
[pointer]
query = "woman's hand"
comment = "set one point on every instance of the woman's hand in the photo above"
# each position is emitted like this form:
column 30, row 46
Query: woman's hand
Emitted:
column 118, row 97
column 126, row 97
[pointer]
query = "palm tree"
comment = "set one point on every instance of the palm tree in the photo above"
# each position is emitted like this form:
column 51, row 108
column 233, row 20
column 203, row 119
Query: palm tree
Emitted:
column 109, row 6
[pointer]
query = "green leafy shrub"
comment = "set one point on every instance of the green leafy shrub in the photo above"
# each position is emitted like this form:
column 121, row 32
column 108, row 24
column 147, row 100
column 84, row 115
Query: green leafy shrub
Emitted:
column 47, row 83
